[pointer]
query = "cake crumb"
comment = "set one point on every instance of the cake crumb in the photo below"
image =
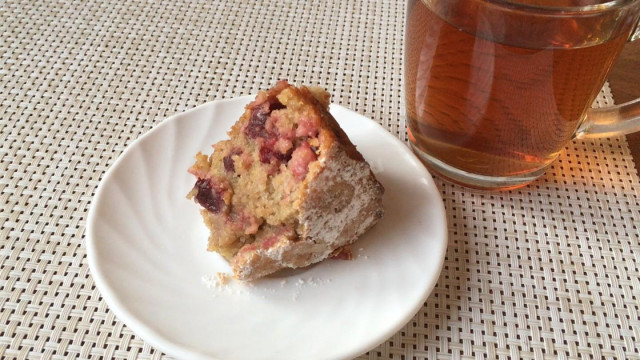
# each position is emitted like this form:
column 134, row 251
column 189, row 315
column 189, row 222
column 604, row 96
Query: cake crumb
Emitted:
column 362, row 254
column 222, row 283
column 223, row 278
column 213, row 282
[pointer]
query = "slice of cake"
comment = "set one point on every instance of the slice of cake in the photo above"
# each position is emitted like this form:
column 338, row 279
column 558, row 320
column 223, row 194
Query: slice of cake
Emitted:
column 288, row 189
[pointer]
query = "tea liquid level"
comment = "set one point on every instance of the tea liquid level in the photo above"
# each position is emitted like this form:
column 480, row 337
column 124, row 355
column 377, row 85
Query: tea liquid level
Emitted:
column 494, row 109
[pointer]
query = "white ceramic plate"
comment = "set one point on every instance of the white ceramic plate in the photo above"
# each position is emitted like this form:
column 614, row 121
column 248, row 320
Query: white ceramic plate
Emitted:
column 146, row 250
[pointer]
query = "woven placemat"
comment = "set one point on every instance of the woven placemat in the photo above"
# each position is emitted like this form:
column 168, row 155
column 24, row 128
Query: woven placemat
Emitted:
column 545, row 272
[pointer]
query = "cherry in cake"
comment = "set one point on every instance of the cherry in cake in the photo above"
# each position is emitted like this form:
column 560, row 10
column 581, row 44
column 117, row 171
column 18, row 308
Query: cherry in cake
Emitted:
column 288, row 188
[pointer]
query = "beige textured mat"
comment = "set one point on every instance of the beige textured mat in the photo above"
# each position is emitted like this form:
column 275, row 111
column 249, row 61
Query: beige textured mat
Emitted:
column 546, row 272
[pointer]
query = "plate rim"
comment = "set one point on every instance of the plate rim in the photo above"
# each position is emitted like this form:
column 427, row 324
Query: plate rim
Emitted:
column 165, row 345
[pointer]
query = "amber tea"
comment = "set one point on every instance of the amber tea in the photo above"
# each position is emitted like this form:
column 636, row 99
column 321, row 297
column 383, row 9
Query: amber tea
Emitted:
column 497, row 95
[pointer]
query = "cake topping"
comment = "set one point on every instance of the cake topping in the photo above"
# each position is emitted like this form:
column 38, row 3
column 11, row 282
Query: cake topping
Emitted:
column 228, row 162
column 300, row 160
column 257, row 128
column 208, row 197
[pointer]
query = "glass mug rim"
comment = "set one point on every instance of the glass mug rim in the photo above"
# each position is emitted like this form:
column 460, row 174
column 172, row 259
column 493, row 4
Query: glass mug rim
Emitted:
column 552, row 10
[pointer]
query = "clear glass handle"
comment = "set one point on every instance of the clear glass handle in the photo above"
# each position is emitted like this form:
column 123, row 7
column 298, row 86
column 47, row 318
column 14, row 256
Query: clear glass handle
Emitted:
column 609, row 121
column 614, row 120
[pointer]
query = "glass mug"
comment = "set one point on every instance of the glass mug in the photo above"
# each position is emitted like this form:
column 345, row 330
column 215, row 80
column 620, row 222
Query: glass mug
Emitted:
column 496, row 88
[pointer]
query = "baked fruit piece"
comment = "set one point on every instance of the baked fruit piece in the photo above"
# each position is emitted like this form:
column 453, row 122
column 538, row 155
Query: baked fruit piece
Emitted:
column 288, row 189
